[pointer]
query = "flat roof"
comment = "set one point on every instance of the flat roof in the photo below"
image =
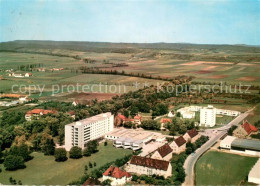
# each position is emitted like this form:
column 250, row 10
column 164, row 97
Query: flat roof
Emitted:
column 134, row 135
column 228, row 139
column 91, row 119
column 246, row 143
column 255, row 173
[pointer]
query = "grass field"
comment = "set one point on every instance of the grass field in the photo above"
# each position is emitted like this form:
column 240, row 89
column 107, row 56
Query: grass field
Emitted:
column 44, row 170
column 217, row 168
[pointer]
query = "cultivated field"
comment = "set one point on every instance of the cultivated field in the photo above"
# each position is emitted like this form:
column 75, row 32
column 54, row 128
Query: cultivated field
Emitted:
column 230, row 169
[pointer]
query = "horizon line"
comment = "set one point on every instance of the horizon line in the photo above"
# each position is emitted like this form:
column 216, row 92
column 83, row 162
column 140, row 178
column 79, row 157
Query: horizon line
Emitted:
column 241, row 44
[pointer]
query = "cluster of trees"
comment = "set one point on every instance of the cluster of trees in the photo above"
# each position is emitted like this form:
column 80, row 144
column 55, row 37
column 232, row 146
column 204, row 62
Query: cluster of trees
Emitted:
column 29, row 67
column 16, row 157
column 91, row 147
column 151, row 125
column 179, row 126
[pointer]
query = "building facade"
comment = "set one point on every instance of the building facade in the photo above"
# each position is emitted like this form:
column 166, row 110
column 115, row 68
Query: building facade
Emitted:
column 80, row 132
column 178, row 145
column 148, row 166
column 208, row 116
column 163, row 153
column 191, row 135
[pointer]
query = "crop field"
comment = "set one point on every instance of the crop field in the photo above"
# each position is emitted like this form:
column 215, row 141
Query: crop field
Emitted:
column 213, row 163
column 230, row 64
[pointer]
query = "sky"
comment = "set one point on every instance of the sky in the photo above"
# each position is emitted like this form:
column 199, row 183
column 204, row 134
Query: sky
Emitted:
column 132, row 21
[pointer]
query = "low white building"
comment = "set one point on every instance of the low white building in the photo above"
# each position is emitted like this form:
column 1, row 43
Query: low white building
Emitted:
column 80, row 132
column 241, row 146
column 208, row 116
column 171, row 114
column 227, row 112
column 226, row 142
column 254, row 174
column 117, row 176
column 186, row 113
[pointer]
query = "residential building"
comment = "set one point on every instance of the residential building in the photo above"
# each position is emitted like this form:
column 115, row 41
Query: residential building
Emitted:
column 36, row 113
column 163, row 153
column 254, row 174
column 246, row 129
column 208, row 116
column 191, row 135
column 120, row 119
column 80, row 132
column 16, row 74
column 27, row 74
column 117, row 176
column 178, row 145
column 148, row 166
column 165, row 121
column 171, row 114
column 23, row 99
column 241, row 146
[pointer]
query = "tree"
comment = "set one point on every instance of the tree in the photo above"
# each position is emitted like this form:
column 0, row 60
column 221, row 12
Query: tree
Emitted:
column 22, row 151
column 95, row 164
column 75, row 152
column 14, row 162
column 49, row 147
column 60, row 155
column 90, row 165
column 91, row 147
column 105, row 144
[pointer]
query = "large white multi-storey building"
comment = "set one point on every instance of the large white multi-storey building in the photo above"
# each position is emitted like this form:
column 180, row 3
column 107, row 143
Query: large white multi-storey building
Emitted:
column 208, row 116
column 80, row 132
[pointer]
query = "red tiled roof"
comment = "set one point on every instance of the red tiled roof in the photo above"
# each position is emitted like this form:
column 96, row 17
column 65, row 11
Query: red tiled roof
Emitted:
column 192, row 133
column 164, row 150
column 138, row 117
column 249, row 128
column 38, row 111
column 121, row 117
column 180, row 141
column 116, row 172
column 166, row 120
column 149, row 162
column 92, row 181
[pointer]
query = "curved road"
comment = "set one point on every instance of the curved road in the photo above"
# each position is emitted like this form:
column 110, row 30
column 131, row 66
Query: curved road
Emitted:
column 215, row 135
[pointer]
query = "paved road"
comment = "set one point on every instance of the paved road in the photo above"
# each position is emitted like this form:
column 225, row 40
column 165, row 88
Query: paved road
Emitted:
column 215, row 135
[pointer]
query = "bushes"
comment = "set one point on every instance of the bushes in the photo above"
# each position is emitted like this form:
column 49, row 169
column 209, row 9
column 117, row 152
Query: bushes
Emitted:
column 14, row 162
column 60, row 155
column 75, row 152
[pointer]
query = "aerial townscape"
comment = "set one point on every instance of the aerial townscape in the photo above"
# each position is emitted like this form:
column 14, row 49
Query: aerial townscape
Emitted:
column 129, row 92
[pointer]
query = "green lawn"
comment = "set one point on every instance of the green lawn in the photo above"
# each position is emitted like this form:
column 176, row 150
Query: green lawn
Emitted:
column 217, row 168
column 44, row 170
